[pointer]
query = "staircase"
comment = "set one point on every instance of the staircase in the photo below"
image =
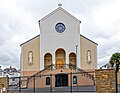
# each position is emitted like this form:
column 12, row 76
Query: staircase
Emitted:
column 89, row 75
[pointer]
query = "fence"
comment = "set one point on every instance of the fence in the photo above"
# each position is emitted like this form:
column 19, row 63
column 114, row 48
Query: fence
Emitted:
column 82, row 82
column 59, row 80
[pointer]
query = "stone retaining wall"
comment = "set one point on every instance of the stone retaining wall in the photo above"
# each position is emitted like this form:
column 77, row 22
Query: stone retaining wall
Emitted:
column 4, row 82
column 105, row 81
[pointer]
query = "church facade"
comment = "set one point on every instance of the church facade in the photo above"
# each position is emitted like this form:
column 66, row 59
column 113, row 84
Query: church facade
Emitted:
column 60, row 44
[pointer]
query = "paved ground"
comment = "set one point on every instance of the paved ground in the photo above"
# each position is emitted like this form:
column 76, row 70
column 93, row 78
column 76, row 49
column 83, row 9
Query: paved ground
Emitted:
column 81, row 89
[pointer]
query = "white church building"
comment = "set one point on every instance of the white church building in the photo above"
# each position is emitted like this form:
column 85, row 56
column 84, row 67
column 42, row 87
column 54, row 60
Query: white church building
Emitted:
column 59, row 43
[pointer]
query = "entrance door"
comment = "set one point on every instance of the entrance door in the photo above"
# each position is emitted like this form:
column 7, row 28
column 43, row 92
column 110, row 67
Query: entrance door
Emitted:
column 61, row 80
column 59, row 64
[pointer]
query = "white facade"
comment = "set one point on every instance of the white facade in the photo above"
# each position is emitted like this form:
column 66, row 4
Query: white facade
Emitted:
column 51, row 40
column 59, row 44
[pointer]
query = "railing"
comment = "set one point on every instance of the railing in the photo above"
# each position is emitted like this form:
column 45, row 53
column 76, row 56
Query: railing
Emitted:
column 61, row 66
column 83, row 87
column 84, row 73
column 91, row 76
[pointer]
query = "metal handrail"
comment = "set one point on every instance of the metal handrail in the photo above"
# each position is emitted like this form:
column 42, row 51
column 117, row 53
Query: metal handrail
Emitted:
column 59, row 66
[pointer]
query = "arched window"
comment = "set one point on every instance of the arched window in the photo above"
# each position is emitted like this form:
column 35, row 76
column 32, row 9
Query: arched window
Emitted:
column 60, row 58
column 89, row 56
column 30, row 57
column 72, row 59
column 74, row 79
column 47, row 60
column 47, row 80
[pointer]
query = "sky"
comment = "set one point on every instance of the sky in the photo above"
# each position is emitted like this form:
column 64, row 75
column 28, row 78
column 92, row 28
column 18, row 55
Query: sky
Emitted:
column 100, row 22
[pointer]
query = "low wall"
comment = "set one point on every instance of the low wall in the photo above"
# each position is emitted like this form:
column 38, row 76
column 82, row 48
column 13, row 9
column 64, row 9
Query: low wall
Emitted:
column 4, row 83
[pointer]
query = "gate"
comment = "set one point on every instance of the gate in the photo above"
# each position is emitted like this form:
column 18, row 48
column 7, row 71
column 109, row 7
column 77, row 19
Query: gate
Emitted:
column 99, row 81
column 52, row 83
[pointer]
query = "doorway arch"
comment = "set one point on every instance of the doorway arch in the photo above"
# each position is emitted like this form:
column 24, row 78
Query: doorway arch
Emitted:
column 60, row 58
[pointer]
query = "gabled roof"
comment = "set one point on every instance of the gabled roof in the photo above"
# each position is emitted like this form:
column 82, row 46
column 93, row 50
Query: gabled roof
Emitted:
column 39, row 35
column 58, row 9
column 29, row 40
column 88, row 39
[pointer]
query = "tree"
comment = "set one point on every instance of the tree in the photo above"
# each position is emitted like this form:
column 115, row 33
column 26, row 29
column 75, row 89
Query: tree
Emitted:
column 115, row 60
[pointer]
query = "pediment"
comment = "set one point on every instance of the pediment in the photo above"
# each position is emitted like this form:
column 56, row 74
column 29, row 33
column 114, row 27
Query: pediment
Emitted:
column 57, row 10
